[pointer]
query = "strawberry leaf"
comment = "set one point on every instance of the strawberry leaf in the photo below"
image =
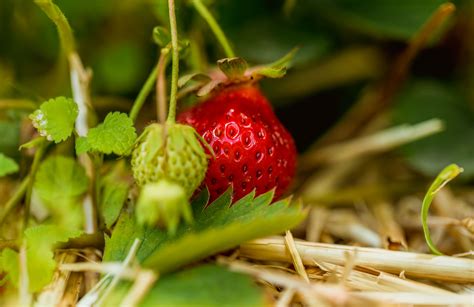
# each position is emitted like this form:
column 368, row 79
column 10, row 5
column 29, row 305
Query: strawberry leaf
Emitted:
column 60, row 182
column 82, row 145
column 55, row 118
column 115, row 135
column 426, row 99
column 206, row 285
column 386, row 19
column 40, row 241
column 216, row 228
column 114, row 195
column 60, row 178
column 7, row 165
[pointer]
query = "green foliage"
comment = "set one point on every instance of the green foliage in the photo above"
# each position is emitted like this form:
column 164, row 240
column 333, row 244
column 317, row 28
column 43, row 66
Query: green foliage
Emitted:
column 60, row 182
column 445, row 176
column 206, row 285
column 113, row 196
column 40, row 241
column 119, row 67
column 7, row 165
column 115, row 135
column 55, row 118
column 60, row 178
column 426, row 99
column 388, row 18
column 260, row 32
column 10, row 136
column 82, row 145
column 216, row 228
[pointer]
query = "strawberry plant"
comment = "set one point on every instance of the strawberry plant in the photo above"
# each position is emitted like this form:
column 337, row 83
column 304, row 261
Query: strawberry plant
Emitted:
column 248, row 153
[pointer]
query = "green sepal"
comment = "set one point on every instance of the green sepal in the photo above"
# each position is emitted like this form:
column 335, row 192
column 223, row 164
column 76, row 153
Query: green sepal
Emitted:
column 161, row 36
column 276, row 69
column 164, row 204
column 233, row 68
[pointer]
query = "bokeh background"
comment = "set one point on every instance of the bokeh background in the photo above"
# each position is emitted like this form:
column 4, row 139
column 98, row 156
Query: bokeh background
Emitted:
column 345, row 47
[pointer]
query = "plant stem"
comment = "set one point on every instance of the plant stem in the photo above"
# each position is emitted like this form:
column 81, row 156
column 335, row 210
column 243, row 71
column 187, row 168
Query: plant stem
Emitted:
column 175, row 62
column 216, row 29
column 34, row 167
column 161, row 86
column 14, row 199
column 144, row 92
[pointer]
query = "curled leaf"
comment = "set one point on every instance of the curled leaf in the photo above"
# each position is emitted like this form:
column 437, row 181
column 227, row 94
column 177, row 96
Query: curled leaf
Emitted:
column 233, row 68
column 447, row 174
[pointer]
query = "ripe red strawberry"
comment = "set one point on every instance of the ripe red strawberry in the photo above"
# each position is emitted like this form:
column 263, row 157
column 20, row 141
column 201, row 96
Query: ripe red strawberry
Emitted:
column 252, row 148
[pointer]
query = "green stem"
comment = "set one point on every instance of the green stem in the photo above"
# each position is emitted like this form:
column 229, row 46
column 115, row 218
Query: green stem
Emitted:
column 216, row 29
column 175, row 63
column 34, row 167
column 64, row 29
column 144, row 92
column 14, row 199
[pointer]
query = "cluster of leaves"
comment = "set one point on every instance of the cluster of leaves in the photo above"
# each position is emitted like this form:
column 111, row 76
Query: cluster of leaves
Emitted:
column 40, row 264
column 216, row 228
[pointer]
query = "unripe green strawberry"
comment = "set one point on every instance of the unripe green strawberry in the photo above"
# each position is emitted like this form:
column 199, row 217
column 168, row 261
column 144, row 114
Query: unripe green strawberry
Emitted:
column 180, row 158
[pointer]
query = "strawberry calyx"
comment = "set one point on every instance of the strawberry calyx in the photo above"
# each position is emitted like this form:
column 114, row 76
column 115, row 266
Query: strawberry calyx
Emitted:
column 232, row 71
column 163, row 203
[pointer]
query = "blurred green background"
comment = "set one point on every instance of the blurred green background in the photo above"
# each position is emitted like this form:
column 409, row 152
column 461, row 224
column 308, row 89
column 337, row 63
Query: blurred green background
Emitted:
column 346, row 45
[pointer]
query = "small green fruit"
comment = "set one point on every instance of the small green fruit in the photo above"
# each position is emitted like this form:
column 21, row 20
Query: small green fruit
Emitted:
column 175, row 155
column 163, row 203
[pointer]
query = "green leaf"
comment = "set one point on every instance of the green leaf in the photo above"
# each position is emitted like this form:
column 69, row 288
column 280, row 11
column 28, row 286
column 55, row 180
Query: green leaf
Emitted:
column 206, row 285
column 60, row 182
column 113, row 198
column 40, row 241
column 55, row 118
column 7, row 165
column 115, row 135
column 447, row 174
column 82, row 145
column 10, row 132
column 114, row 193
column 60, row 178
column 425, row 99
column 389, row 18
column 215, row 229
column 119, row 67
column 261, row 33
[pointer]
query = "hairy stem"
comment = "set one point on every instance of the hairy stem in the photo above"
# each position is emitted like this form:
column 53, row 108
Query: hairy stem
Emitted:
column 216, row 29
column 144, row 92
column 174, row 62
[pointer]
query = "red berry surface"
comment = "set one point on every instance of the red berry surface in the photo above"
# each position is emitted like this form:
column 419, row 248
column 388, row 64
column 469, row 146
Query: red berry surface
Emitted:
column 252, row 148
